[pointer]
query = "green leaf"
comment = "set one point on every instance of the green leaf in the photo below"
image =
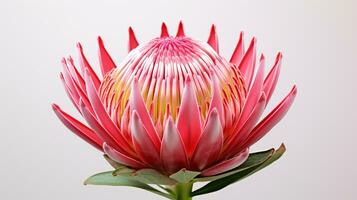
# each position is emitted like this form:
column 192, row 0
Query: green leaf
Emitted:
column 253, row 160
column 184, row 176
column 106, row 178
column 224, row 182
column 277, row 154
column 149, row 176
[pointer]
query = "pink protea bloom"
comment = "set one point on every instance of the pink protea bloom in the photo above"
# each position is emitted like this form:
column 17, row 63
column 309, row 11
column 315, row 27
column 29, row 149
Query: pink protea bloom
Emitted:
column 174, row 103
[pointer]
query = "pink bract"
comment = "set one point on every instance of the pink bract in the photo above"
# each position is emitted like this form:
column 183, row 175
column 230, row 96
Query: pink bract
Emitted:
column 173, row 103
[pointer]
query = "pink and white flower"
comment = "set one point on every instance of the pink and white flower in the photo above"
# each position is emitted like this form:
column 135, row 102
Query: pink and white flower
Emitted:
column 174, row 102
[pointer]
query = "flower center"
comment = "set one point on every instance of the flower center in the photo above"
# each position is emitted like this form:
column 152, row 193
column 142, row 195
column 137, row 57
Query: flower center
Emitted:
column 161, row 67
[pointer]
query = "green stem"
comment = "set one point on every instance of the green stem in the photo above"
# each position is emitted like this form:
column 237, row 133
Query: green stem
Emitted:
column 183, row 191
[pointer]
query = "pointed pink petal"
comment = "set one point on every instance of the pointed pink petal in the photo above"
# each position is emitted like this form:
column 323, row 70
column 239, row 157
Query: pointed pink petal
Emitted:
column 241, row 134
column 247, row 65
column 133, row 42
column 249, row 123
column 164, row 31
column 75, row 91
column 272, row 118
column 210, row 143
column 78, row 128
column 253, row 94
column 238, row 51
column 85, row 65
column 105, row 61
column 216, row 101
column 188, row 119
column 142, row 142
column 272, row 78
column 137, row 103
column 101, row 113
column 100, row 131
column 180, row 30
column 227, row 164
column 172, row 153
column 75, row 74
column 69, row 81
column 213, row 39
column 121, row 158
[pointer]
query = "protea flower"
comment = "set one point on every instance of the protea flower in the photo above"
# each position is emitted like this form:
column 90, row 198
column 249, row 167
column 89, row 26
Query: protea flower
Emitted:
column 175, row 112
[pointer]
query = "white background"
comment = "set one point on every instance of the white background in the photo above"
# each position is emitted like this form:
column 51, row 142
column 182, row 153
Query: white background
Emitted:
column 41, row 159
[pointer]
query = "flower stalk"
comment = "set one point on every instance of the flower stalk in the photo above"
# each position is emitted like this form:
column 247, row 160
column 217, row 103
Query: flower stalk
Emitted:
column 183, row 191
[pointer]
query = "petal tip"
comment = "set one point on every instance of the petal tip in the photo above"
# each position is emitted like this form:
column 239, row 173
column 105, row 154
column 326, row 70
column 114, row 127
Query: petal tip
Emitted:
column 262, row 57
column 133, row 42
column 99, row 39
column 86, row 74
column 70, row 59
column 63, row 61
column 188, row 79
column 214, row 112
column 213, row 28
column 55, row 107
column 180, row 30
column 263, row 97
column 135, row 115
column 79, row 46
column 280, row 55
column 135, row 82
column 130, row 29
column 213, row 38
column 164, row 31
column 294, row 90
column 106, row 147
column 254, row 40
column 135, row 79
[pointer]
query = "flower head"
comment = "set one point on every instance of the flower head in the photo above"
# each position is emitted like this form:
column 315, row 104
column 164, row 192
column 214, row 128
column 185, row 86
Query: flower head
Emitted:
column 174, row 102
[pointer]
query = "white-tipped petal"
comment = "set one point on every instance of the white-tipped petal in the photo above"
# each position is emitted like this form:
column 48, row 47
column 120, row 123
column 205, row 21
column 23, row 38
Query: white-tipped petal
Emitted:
column 142, row 142
column 189, row 120
column 210, row 143
column 227, row 165
column 173, row 153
